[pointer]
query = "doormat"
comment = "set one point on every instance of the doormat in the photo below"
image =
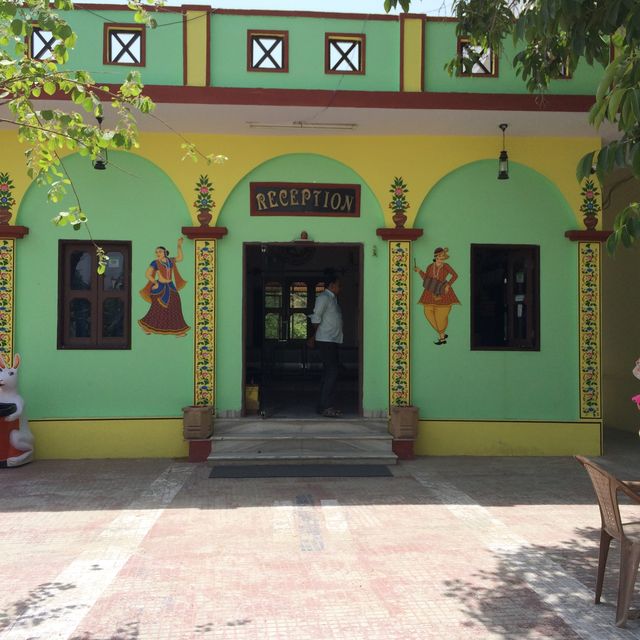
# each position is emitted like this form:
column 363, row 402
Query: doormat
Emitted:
column 301, row 471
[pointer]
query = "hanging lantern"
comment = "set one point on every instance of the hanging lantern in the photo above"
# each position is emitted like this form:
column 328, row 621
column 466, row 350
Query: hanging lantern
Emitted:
column 503, row 159
column 101, row 161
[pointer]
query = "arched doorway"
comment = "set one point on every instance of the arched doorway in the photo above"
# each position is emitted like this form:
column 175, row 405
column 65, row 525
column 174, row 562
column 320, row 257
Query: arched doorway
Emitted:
column 276, row 265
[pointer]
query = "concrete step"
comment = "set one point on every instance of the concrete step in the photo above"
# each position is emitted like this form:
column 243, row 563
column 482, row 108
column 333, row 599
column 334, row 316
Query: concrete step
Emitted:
column 247, row 444
column 295, row 441
column 307, row 457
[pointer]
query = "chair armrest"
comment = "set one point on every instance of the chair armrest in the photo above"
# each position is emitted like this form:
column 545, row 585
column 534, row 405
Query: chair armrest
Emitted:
column 631, row 491
column 634, row 485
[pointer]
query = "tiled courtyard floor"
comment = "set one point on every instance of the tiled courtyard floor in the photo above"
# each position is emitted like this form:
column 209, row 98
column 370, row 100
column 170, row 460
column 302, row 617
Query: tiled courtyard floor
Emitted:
column 447, row 548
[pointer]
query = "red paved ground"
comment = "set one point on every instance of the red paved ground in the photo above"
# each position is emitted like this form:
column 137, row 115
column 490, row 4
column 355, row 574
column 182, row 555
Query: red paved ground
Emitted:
column 447, row 548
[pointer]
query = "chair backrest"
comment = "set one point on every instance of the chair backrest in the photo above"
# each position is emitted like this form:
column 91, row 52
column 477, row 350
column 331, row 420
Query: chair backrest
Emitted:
column 606, row 487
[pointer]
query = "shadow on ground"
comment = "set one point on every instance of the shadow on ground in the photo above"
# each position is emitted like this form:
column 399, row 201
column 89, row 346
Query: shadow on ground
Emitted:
column 504, row 600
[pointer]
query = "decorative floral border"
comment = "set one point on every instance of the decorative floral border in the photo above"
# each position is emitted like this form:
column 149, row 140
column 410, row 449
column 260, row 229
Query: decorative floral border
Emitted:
column 589, row 287
column 7, row 256
column 204, row 334
column 399, row 270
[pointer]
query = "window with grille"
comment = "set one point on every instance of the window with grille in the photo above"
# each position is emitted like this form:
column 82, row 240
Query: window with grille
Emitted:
column 124, row 45
column 476, row 61
column 505, row 297
column 94, row 311
column 41, row 44
column 268, row 51
column 344, row 53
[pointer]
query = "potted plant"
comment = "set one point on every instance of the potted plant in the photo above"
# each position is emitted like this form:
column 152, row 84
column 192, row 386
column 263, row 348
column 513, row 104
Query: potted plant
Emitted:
column 6, row 198
column 204, row 200
column 399, row 202
column 590, row 207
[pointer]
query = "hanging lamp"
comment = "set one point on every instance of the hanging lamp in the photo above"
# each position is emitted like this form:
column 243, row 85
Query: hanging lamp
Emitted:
column 503, row 159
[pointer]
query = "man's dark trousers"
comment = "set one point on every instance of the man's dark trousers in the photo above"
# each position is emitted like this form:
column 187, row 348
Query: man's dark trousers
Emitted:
column 330, row 368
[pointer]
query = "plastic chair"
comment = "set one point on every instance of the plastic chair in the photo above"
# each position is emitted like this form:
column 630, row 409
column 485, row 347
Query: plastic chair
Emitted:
column 607, row 488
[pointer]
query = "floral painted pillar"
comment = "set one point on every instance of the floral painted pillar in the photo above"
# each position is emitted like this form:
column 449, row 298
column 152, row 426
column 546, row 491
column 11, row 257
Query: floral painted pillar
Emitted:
column 8, row 236
column 205, row 311
column 590, row 242
column 399, row 244
column 204, row 338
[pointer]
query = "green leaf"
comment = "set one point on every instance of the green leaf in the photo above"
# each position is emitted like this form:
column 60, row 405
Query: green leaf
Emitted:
column 49, row 87
column 17, row 26
column 101, row 269
column 584, row 166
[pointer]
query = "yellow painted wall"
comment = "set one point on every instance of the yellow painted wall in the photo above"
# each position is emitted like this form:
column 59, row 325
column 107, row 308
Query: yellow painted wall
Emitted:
column 458, row 438
column 421, row 160
column 412, row 54
column 162, row 438
column 197, row 37
column 74, row 439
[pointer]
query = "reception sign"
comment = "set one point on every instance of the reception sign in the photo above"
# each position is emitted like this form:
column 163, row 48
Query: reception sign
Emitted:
column 305, row 199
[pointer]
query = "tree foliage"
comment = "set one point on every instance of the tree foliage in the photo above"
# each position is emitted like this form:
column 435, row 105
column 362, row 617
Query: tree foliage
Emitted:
column 50, row 133
column 551, row 37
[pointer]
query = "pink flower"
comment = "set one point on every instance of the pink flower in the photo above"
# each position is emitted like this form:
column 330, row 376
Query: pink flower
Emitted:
column 4, row 187
column 636, row 399
column 398, row 191
column 589, row 194
column 204, row 190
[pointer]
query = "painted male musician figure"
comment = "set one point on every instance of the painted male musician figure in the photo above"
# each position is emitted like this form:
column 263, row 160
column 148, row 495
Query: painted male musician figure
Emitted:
column 438, row 296
column 326, row 333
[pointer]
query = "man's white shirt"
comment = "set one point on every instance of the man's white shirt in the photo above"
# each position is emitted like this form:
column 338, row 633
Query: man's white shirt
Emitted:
column 327, row 314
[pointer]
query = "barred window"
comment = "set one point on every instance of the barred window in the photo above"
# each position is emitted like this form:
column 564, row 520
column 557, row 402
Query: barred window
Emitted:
column 124, row 45
column 268, row 51
column 344, row 53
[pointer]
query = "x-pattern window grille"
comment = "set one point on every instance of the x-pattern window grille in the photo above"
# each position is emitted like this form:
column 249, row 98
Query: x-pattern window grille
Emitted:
column 42, row 44
column 268, row 52
column 345, row 55
column 476, row 60
column 125, row 46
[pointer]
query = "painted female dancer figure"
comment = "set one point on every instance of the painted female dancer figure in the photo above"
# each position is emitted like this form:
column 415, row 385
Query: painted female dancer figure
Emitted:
column 438, row 296
column 165, row 314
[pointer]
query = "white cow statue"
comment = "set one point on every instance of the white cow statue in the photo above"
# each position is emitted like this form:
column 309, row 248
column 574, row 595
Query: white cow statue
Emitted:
column 16, row 439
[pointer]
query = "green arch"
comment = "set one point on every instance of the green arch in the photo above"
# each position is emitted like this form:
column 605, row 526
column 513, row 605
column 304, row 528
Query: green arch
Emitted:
column 245, row 228
column 480, row 181
column 136, row 202
column 302, row 167
column 471, row 206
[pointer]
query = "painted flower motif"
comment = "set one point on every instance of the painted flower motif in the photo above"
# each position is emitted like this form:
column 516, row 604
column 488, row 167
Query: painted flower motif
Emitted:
column 590, row 206
column 398, row 200
column 6, row 187
column 204, row 200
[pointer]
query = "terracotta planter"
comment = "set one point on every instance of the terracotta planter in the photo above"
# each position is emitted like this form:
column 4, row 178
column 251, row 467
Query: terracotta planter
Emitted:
column 399, row 218
column 5, row 215
column 204, row 217
column 590, row 222
column 197, row 422
column 403, row 422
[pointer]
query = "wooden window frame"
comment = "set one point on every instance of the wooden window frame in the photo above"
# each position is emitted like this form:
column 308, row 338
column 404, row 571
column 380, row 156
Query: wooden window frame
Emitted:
column 462, row 74
column 123, row 26
column 34, row 28
column 534, row 340
column 345, row 37
column 269, row 34
column 97, row 294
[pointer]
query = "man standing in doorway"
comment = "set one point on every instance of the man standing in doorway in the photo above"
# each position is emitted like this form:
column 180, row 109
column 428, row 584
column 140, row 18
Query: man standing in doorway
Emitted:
column 326, row 332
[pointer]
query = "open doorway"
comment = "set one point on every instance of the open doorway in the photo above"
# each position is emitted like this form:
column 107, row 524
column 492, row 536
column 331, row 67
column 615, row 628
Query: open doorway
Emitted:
column 281, row 282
